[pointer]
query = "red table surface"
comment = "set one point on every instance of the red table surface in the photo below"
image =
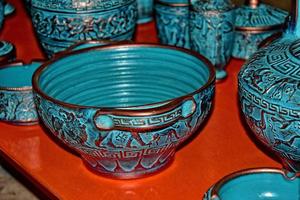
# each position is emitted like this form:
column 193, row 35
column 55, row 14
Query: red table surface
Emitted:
column 223, row 145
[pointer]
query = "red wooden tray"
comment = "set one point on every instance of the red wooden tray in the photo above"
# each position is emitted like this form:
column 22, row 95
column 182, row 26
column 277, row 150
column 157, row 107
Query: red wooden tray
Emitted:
column 222, row 146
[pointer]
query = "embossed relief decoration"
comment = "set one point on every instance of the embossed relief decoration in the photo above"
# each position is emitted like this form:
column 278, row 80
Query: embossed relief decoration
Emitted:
column 17, row 107
column 274, row 74
column 85, row 26
column 269, row 90
column 115, row 150
column 216, row 27
column 71, row 5
column 173, row 25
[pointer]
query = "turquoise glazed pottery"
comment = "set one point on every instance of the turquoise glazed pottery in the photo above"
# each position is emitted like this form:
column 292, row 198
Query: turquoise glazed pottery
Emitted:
column 255, row 21
column 61, row 23
column 269, row 90
column 125, row 108
column 212, row 31
column 255, row 184
column 7, row 52
column 16, row 98
column 145, row 9
column 172, row 22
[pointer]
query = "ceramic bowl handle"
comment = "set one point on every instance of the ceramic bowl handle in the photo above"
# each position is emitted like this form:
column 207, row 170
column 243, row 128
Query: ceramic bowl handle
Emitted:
column 146, row 119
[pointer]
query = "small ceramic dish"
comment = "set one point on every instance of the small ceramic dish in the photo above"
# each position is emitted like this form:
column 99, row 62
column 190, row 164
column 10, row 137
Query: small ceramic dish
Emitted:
column 7, row 52
column 254, row 184
column 125, row 108
column 16, row 98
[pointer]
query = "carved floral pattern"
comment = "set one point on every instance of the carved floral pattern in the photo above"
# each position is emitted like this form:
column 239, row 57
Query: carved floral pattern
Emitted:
column 17, row 107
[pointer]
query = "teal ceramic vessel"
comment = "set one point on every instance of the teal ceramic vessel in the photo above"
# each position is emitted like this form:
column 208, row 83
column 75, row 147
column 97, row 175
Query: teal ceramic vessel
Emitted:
column 125, row 108
column 269, row 90
column 145, row 11
column 7, row 52
column 172, row 22
column 255, row 184
column 61, row 23
column 255, row 21
column 212, row 31
column 16, row 97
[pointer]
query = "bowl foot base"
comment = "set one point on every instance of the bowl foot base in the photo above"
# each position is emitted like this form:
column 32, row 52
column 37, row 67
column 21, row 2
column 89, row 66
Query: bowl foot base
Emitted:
column 130, row 175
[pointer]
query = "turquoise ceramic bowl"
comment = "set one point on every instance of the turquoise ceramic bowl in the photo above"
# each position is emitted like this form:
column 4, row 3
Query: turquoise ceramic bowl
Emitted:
column 255, row 184
column 16, row 98
column 125, row 108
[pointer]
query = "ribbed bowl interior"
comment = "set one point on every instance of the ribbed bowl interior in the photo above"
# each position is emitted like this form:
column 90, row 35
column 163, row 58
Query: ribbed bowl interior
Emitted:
column 122, row 76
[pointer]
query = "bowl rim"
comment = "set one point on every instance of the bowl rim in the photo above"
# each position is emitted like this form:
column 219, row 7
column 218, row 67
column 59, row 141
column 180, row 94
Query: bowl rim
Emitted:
column 217, row 186
column 18, row 63
column 164, row 105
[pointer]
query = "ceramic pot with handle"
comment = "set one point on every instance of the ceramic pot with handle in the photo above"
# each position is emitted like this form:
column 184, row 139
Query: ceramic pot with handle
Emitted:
column 125, row 108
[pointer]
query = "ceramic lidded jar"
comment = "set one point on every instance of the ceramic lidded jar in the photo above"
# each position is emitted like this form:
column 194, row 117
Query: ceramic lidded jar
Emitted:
column 254, row 22
column 269, row 90
column 61, row 23
column 212, row 31
column 172, row 22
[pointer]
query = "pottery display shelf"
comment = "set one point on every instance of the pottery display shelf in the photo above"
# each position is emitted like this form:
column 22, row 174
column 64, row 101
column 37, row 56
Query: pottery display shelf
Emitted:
column 221, row 147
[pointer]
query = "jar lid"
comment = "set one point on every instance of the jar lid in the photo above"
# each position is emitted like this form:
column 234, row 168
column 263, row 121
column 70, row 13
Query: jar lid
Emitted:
column 262, row 16
column 272, row 75
column 7, row 52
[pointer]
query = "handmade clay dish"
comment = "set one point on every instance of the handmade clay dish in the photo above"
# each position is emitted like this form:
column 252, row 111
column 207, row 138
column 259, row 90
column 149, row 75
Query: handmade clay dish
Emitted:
column 254, row 22
column 59, row 24
column 252, row 184
column 172, row 20
column 7, row 52
column 125, row 108
column 16, row 98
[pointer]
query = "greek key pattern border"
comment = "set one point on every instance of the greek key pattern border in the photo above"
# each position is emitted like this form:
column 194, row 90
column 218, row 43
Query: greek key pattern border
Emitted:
column 267, row 105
